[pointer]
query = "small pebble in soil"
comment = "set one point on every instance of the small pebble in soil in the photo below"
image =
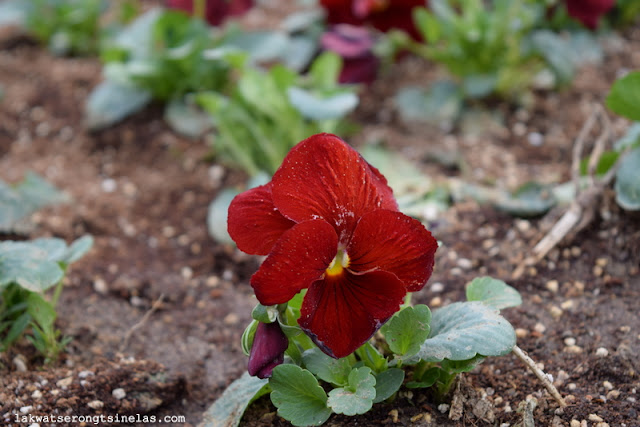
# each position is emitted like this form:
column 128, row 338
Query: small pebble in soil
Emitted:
column 394, row 415
column 566, row 305
column 574, row 423
column 109, row 185
column 443, row 407
column 65, row 382
column 553, row 286
column 437, row 287
column 231, row 319
column 573, row 349
column 95, row 404
column 100, row 286
column 613, row 394
column 20, row 362
column 464, row 263
column 213, row 281
column 85, row 374
column 37, row 394
column 569, row 341
column 521, row 333
column 539, row 328
column 119, row 393
column 435, row 302
column 595, row 418
column 607, row 385
column 535, row 138
column 186, row 273
column 555, row 311
column 26, row 409
column 602, row 352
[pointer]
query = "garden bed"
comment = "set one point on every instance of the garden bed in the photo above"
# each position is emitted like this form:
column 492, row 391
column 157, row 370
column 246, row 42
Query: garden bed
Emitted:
column 157, row 308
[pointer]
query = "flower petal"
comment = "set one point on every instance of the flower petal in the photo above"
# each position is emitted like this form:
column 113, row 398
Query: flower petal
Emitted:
column 267, row 351
column 323, row 178
column 393, row 242
column 254, row 223
column 298, row 259
column 340, row 313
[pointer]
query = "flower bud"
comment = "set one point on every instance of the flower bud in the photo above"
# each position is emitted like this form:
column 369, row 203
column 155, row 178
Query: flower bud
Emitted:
column 267, row 352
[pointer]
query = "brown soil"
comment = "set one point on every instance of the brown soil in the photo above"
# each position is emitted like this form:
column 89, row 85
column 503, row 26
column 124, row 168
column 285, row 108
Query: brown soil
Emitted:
column 152, row 249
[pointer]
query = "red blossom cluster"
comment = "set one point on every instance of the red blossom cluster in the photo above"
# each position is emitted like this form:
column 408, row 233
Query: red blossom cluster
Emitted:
column 328, row 223
column 589, row 11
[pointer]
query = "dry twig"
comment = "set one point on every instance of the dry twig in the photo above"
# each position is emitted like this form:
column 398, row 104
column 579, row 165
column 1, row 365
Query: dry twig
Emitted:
column 553, row 391
column 155, row 306
column 582, row 210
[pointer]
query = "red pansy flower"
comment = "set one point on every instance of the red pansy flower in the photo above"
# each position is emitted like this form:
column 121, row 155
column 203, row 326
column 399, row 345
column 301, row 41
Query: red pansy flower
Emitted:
column 382, row 14
column 216, row 11
column 589, row 11
column 355, row 46
column 267, row 351
column 329, row 224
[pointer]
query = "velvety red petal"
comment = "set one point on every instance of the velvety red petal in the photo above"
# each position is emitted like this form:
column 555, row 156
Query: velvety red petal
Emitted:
column 254, row 223
column 393, row 242
column 267, row 351
column 323, row 178
column 340, row 313
column 298, row 259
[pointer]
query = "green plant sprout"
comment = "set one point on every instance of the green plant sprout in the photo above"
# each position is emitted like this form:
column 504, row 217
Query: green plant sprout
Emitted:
column 68, row 27
column 269, row 112
column 20, row 200
column 27, row 271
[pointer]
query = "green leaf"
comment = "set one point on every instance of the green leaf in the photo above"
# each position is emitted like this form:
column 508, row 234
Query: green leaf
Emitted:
column 493, row 292
column 16, row 202
column 407, row 330
column 624, row 98
column 628, row 181
column 440, row 105
column 462, row 330
column 298, row 396
column 630, row 139
column 325, row 70
column 77, row 249
column 110, row 102
column 387, row 383
column 227, row 411
column 41, row 311
column 35, row 265
column 184, row 118
column 316, row 107
column 265, row 314
column 460, row 366
column 247, row 337
column 606, row 162
column 18, row 326
column 531, row 199
column 27, row 265
column 427, row 24
column 427, row 379
column 357, row 397
column 334, row 371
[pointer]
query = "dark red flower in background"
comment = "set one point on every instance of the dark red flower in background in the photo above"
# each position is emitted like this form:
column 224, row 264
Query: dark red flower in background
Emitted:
column 267, row 351
column 216, row 11
column 589, row 11
column 329, row 224
column 382, row 14
column 355, row 46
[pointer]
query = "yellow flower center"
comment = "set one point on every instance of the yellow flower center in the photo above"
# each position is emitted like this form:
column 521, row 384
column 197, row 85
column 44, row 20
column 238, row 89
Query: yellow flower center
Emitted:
column 339, row 263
